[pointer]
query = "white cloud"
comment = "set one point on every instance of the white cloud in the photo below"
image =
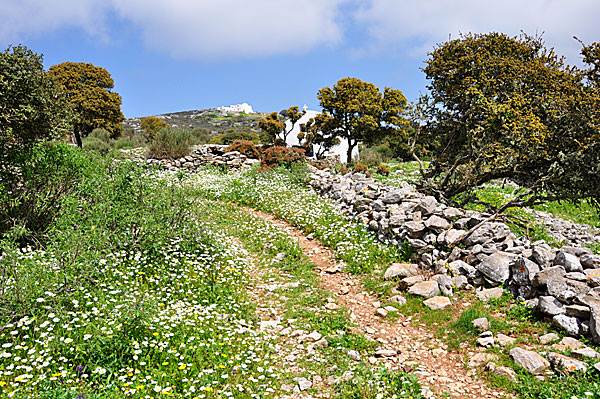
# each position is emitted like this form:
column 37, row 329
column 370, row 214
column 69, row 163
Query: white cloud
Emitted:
column 418, row 25
column 217, row 29
column 21, row 19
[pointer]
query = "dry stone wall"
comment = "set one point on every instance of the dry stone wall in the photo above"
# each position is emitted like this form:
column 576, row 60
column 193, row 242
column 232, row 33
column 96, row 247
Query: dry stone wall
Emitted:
column 562, row 283
column 201, row 156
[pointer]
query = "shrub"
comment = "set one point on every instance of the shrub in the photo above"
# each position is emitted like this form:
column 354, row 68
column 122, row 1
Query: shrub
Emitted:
column 97, row 145
column 282, row 156
column 245, row 147
column 383, row 170
column 101, row 134
column 170, row 144
column 128, row 142
column 360, row 168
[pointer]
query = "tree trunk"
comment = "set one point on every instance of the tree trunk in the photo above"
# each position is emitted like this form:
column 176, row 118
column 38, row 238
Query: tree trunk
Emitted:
column 78, row 138
column 349, row 153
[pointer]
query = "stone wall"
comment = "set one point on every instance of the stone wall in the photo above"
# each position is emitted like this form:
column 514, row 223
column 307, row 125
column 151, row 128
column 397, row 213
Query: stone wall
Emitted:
column 203, row 155
column 562, row 283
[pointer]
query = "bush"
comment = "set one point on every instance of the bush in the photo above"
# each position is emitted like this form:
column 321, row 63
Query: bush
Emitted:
column 128, row 142
column 371, row 157
column 282, row 156
column 383, row 170
column 248, row 148
column 361, row 168
column 170, row 144
column 97, row 145
column 101, row 134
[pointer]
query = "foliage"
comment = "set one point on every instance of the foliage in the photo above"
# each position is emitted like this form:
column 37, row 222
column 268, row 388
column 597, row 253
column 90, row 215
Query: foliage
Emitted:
column 272, row 126
column 282, row 156
column 293, row 115
column 310, row 136
column 170, row 144
column 358, row 112
column 31, row 199
column 32, row 106
column 89, row 90
column 152, row 125
column 508, row 107
column 248, row 148
column 383, row 170
column 360, row 168
column 96, row 144
column 231, row 135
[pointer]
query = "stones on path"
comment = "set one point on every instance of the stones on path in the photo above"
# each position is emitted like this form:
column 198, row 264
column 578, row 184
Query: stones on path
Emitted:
column 437, row 302
column 529, row 360
column 549, row 338
column 566, row 364
column 502, row 371
column 567, row 344
column 481, row 324
column 485, row 294
column 354, row 355
column 486, row 339
column 426, row 289
column 400, row 271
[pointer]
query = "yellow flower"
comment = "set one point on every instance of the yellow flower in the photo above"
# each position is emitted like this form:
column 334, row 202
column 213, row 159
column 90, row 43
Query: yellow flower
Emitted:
column 182, row 367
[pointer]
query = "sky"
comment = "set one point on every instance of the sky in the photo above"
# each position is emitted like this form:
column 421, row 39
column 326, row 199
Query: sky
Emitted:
column 176, row 55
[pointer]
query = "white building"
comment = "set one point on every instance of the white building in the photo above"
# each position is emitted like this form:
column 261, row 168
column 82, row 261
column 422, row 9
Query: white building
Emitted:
column 340, row 149
column 237, row 108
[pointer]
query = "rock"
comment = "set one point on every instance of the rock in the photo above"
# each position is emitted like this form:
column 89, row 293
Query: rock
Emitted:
column 399, row 299
column 550, row 306
column 427, row 205
column 414, row 227
column 597, row 367
column 303, row 383
column 568, row 324
column 568, row 343
column 504, row 371
column 486, row 340
column 436, row 223
column 452, row 236
column 566, row 364
column 542, row 256
column 320, row 344
column 590, row 261
column 579, row 311
column 481, row 358
column 437, row 302
column 393, row 197
column 313, row 336
column 460, row 282
column 445, row 283
column 523, row 270
column 354, row 355
column 496, row 268
column 391, row 309
column 381, row 312
column 407, row 282
column 529, row 360
column 585, row 353
column 488, row 232
column 565, row 289
column 400, row 270
column 425, row 289
column 569, row 261
column 595, row 323
column 548, row 338
column 459, row 267
column 481, row 324
column 485, row 294
column 385, row 353
column 541, row 279
column 505, row 340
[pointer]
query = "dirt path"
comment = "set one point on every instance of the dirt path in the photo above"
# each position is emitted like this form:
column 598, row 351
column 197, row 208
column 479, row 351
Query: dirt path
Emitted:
column 402, row 344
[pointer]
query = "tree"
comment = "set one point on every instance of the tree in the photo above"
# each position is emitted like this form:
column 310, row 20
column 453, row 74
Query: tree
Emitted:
column 293, row 115
column 310, row 136
column 508, row 107
column 152, row 124
column 358, row 112
column 272, row 127
column 32, row 106
column 89, row 90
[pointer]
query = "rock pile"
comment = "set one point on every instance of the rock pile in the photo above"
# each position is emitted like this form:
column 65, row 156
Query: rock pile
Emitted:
column 563, row 283
column 209, row 154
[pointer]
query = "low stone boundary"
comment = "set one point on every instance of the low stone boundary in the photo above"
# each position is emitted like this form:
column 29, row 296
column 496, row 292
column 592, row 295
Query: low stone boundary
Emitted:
column 562, row 283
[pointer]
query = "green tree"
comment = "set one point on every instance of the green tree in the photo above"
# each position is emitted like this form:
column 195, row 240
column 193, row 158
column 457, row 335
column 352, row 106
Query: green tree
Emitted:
column 272, row 126
column 358, row 112
column 293, row 115
column 152, row 124
column 32, row 106
column 310, row 136
column 508, row 107
column 89, row 90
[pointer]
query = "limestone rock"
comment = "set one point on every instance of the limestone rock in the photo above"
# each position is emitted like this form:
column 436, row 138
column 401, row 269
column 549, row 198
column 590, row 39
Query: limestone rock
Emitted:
column 505, row 340
column 548, row 338
column 565, row 289
column 590, row 261
column 566, row 364
column 460, row 282
column 481, row 324
column 488, row 232
column 400, row 270
column 399, row 299
column 425, row 289
column 529, row 360
column 437, row 223
column 568, row 324
column 445, row 283
column 568, row 343
column 542, row 278
column 585, row 353
column 485, row 294
column 569, row 261
column 437, row 302
column 550, row 305
column 407, row 282
column 459, row 267
column 496, row 268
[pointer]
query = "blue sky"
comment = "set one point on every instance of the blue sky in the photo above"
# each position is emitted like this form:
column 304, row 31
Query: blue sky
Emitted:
column 176, row 55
